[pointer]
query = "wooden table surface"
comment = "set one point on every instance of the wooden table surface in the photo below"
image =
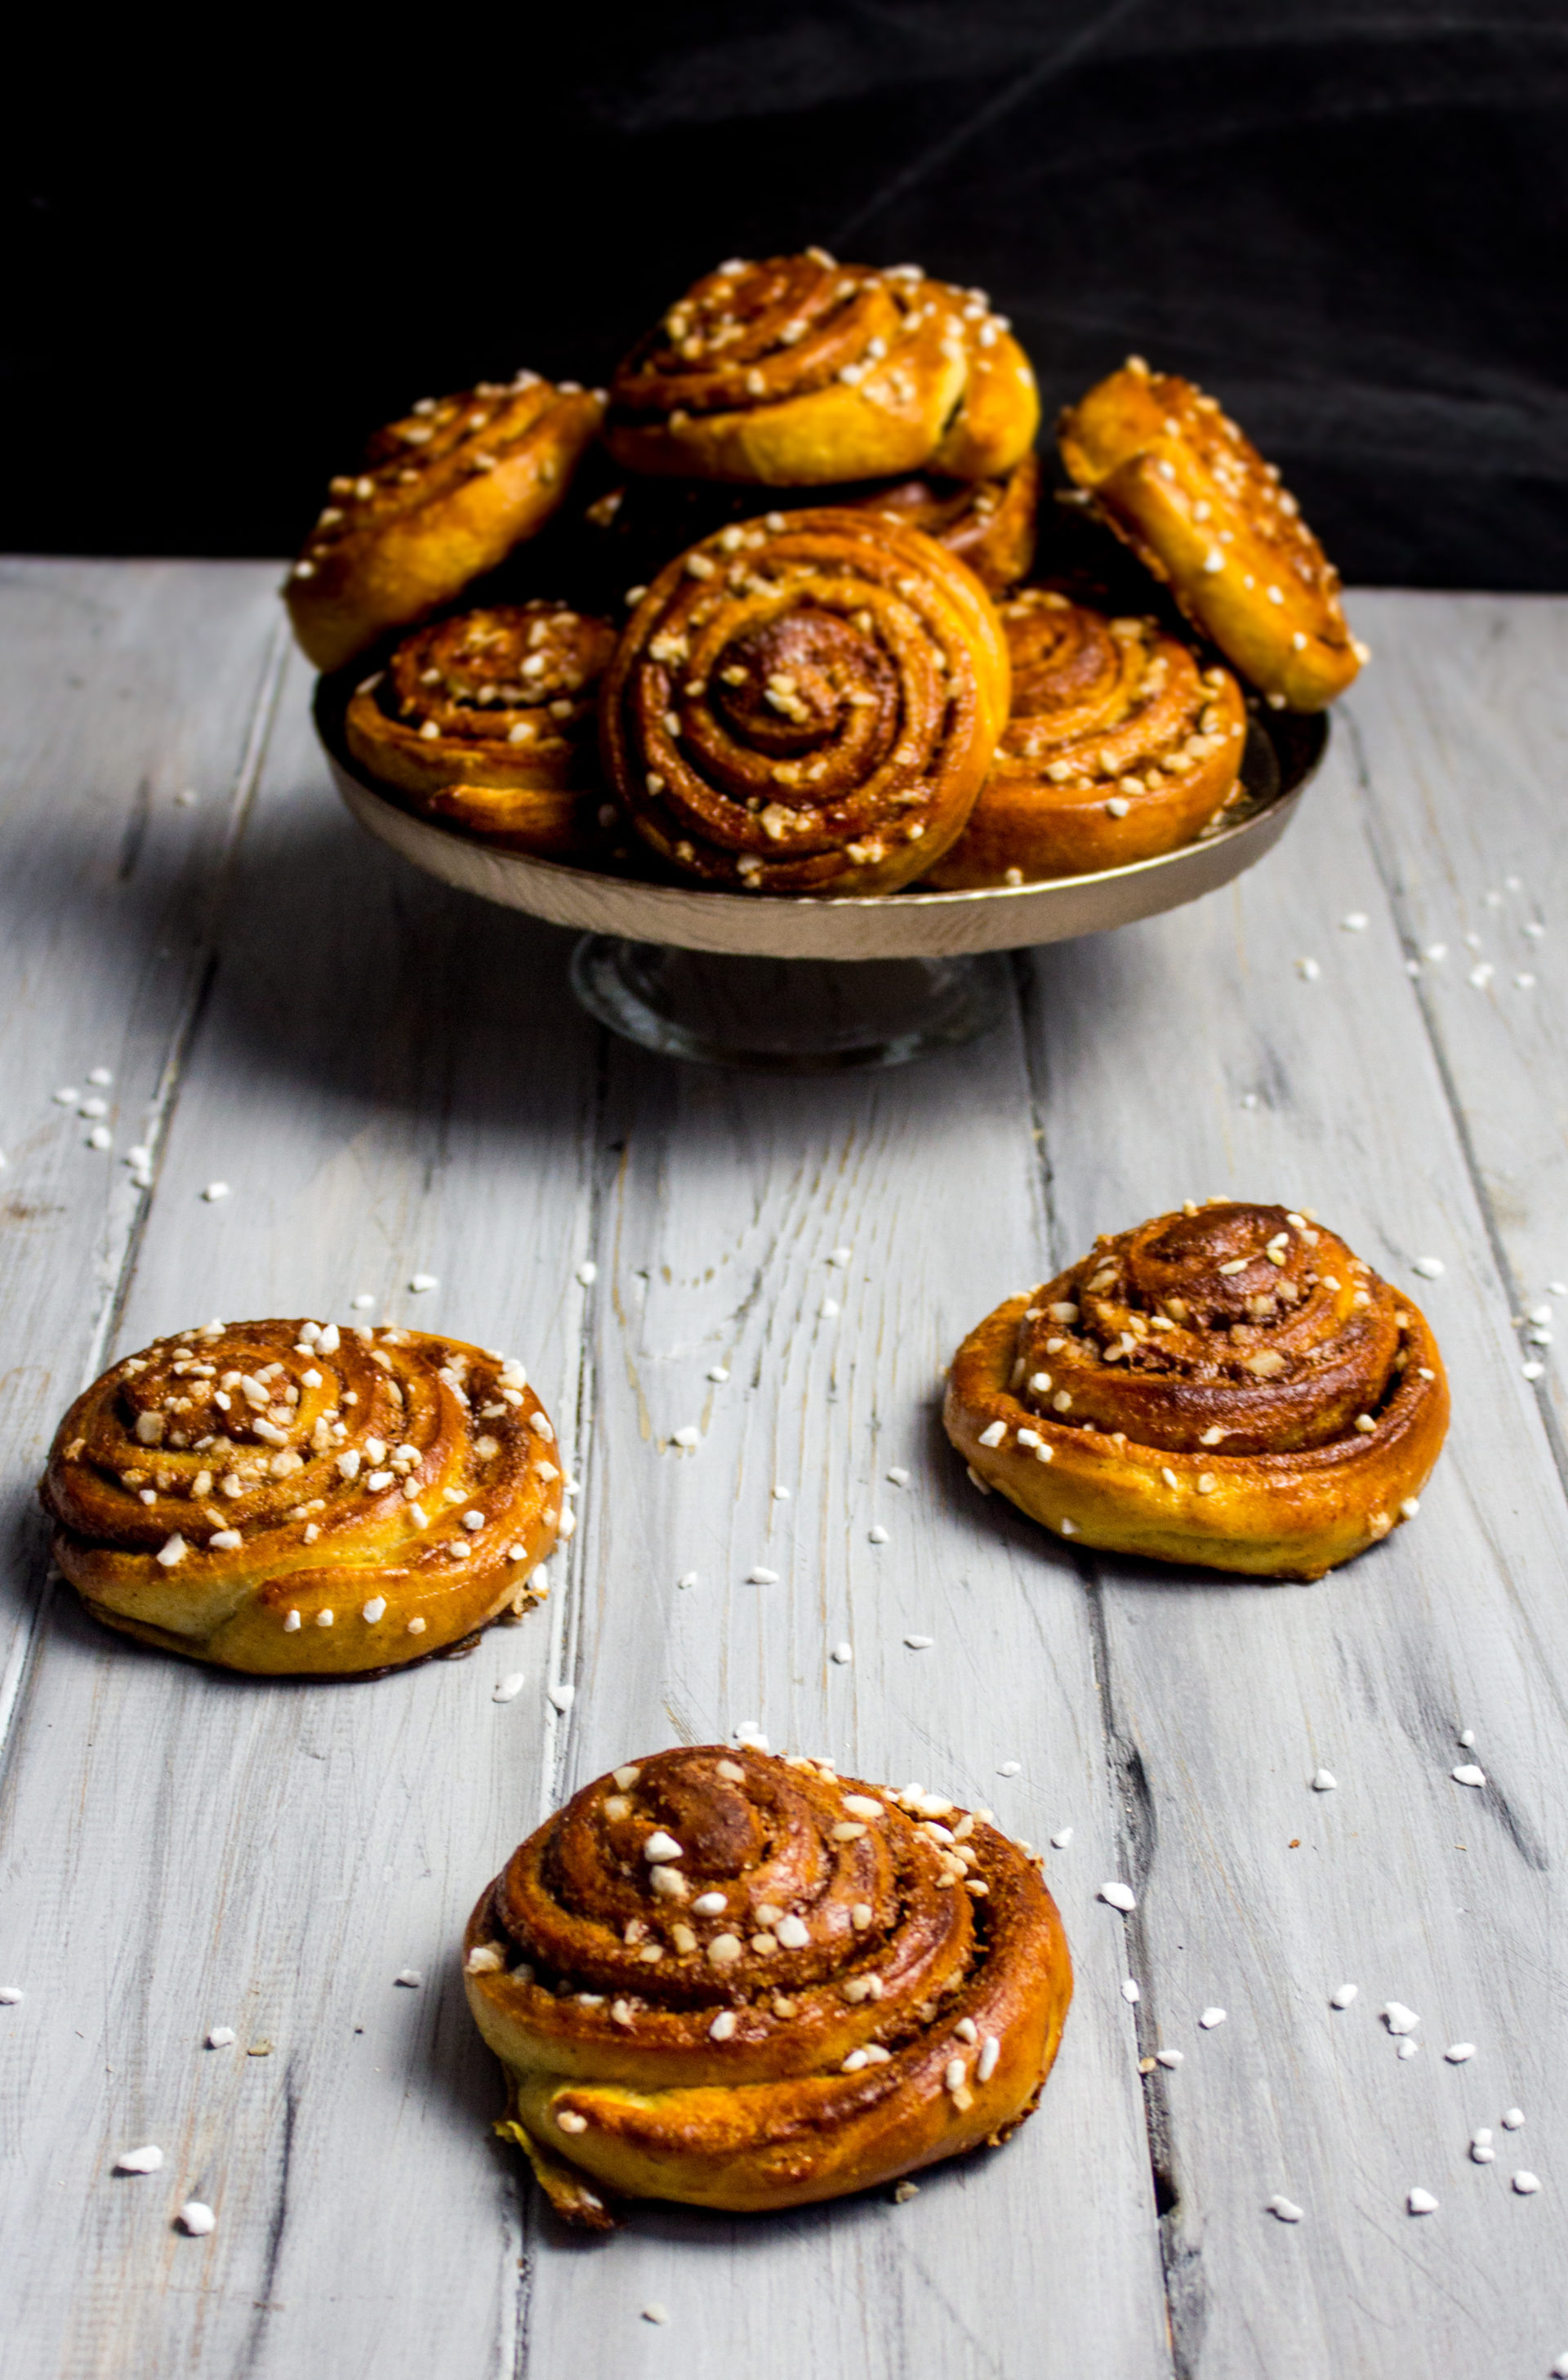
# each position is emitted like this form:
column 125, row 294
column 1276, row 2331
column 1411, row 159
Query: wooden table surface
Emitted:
column 393, row 1079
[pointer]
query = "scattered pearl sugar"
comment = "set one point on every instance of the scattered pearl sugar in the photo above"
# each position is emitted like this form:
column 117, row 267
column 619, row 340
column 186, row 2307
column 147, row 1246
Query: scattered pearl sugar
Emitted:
column 196, row 2219
column 654, row 2312
column 1170, row 2057
column 11, row 1996
column 843, row 1654
column 1467, row 1737
column 689, row 1436
column 1481, row 2149
column 718, row 1372
column 101, row 1075
column 509, row 1687
column 761, row 1575
column 899, row 1477
column 1458, row 2051
column 215, row 1191
column 409, row 1977
column 66, row 1096
column 920, row 1643
column 588, row 1274
column 1060, row 1840
column 1512, row 2118
column 420, row 1282
column 1211, row 2017
column 223, row 2036
column 686, row 1578
column 1430, row 1267
column 876, row 1535
column 145, row 2160
column 561, row 1698
column 1408, row 2049
column 1130, row 1992
column 1309, row 969
column 1525, row 2183
column 1324, row 1781
column 1010, row 1768
column 841, row 1258
column 1344, row 1997
column 362, row 1304
column 1468, row 1774
column 1118, row 1895
column 1421, row 2202
column 1284, row 2209
column 780, row 1493
column 1355, row 921
column 828, row 1308
column 1398, row 2018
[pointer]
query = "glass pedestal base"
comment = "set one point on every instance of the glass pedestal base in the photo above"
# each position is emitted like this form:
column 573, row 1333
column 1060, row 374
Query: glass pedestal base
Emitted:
column 786, row 1016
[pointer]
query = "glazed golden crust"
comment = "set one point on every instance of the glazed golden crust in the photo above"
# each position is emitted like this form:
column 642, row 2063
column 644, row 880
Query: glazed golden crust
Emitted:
column 488, row 720
column 445, row 495
column 291, row 1499
column 805, row 703
column 1118, row 749
column 1199, row 505
column 1227, row 1386
column 989, row 524
column 821, row 1985
column 799, row 371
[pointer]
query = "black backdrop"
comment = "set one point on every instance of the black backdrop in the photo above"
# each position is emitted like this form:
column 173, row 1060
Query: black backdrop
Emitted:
column 1348, row 221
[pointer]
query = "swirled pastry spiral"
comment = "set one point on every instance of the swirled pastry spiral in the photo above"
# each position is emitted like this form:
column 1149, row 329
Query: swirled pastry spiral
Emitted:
column 805, row 703
column 801, row 372
column 1195, row 498
column 444, row 495
column 743, row 1981
column 1118, row 749
column 1227, row 1385
column 989, row 524
column 488, row 721
column 290, row 1499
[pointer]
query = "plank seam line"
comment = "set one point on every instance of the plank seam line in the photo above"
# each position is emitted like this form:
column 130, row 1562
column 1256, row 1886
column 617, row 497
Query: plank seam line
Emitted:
column 1393, row 892
column 117, row 1277
column 1184, row 2310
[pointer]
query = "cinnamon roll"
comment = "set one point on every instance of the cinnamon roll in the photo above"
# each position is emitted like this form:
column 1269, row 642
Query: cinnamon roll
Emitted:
column 745, row 1982
column 1119, row 747
column 805, row 703
column 1227, row 1386
column 801, row 372
column 294, row 1500
column 1176, row 478
column 989, row 524
column 488, row 720
column 444, row 495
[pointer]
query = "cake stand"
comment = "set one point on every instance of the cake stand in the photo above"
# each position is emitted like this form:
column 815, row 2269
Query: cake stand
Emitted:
column 797, row 984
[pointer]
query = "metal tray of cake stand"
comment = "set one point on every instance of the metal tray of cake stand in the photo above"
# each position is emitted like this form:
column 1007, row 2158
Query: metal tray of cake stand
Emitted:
column 821, row 984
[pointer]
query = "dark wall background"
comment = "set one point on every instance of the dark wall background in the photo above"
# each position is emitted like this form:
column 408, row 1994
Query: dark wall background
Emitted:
column 1347, row 221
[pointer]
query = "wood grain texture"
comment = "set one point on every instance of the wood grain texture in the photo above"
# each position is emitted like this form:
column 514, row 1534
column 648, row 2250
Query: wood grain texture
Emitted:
column 393, row 1079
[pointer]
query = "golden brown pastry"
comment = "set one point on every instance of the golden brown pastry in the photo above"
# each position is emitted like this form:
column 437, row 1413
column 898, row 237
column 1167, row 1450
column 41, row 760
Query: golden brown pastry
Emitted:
column 1196, row 502
column 1119, row 747
column 1227, row 1386
column 445, row 495
column 745, row 1982
column 488, row 720
column 799, row 371
column 989, row 524
column 805, row 703
column 296, row 1499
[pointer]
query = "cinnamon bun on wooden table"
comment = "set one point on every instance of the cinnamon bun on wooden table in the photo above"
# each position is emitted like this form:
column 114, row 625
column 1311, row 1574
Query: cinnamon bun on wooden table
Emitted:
column 296, row 1499
column 488, row 720
column 807, row 702
column 443, row 496
column 745, row 1982
column 1121, row 746
column 1194, row 498
column 800, row 371
column 1227, row 1385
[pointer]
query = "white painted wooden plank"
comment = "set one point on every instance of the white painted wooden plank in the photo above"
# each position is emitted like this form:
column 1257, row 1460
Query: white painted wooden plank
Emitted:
column 122, row 685
column 727, row 1199
column 1230, row 1694
column 392, row 1080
